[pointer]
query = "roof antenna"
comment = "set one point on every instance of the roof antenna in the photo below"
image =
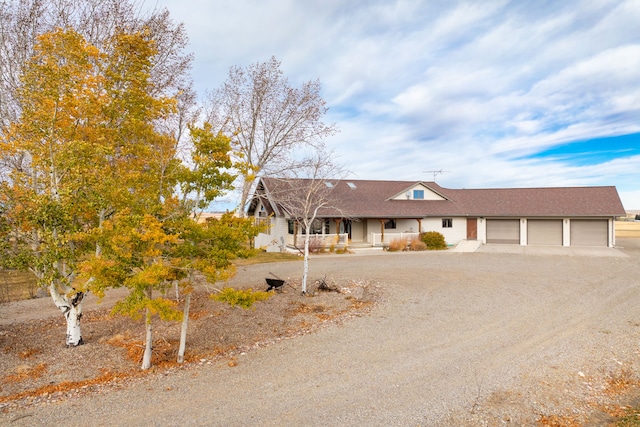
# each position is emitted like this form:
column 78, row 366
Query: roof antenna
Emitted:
column 438, row 172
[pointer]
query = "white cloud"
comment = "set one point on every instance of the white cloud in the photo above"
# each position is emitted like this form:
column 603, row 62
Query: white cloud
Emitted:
column 461, row 86
column 630, row 199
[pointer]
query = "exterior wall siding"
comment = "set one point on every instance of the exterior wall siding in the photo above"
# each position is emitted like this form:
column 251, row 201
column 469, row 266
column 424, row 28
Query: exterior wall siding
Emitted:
column 452, row 235
column 276, row 237
column 361, row 231
column 482, row 230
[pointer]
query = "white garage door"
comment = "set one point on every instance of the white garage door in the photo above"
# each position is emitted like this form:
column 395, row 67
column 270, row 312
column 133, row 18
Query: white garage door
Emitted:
column 544, row 232
column 589, row 232
column 503, row 231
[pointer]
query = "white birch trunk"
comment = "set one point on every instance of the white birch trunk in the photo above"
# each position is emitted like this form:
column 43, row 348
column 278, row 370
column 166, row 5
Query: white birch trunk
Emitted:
column 183, row 330
column 71, row 308
column 148, row 348
column 305, row 268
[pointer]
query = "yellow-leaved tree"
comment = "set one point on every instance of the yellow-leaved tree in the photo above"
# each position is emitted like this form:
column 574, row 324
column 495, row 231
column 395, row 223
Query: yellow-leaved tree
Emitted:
column 93, row 194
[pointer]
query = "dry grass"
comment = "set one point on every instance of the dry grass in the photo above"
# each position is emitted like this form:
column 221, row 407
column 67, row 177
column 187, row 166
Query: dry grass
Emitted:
column 397, row 245
column 612, row 407
column 558, row 421
column 23, row 372
column 16, row 285
column 620, row 382
column 417, row 244
column 266, row 257
column 628, row 229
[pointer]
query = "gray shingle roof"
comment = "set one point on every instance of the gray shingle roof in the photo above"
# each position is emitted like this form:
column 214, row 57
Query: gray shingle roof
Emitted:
column 372, row 199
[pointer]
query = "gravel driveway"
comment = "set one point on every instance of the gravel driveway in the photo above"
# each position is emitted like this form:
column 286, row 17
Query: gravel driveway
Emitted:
column 462, row 339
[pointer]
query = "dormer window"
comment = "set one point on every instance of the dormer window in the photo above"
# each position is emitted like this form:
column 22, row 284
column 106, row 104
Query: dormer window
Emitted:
column 418, row 194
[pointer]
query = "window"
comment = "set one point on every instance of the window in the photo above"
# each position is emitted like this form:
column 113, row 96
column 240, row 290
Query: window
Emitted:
column 447, row 222
column 390, row 224
column 418, row 194
column 316, row 227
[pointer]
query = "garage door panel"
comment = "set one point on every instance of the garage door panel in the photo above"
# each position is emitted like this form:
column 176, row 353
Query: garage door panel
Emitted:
column 544, row 232
column 589, row 232
column 503, row 231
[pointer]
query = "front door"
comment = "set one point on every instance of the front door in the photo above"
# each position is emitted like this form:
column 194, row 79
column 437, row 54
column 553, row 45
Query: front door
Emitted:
column 472, row 228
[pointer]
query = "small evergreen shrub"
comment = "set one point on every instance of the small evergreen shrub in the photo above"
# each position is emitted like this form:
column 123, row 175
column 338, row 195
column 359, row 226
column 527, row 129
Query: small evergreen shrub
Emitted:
column 242, row 297
column 433, row 240
column 397, row 245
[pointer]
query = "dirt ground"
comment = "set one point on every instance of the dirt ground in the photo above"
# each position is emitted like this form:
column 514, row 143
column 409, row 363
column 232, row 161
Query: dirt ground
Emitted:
column 37, row 366
column 425, row 339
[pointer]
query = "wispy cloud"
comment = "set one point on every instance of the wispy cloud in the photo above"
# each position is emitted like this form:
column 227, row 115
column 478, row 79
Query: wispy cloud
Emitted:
column 476, row 88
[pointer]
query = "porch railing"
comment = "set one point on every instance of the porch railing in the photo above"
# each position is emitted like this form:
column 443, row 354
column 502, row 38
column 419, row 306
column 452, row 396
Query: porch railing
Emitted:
column 321, row 239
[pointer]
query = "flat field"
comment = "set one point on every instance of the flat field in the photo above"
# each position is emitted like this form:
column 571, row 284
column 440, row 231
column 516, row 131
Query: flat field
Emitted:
column 628, row 229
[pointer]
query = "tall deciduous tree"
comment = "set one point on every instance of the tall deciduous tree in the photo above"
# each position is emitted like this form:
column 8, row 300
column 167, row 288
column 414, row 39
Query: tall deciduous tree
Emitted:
column 22, row 21
column 100, row 198
column 304, row 194
column 83, row 149
column 268, row 120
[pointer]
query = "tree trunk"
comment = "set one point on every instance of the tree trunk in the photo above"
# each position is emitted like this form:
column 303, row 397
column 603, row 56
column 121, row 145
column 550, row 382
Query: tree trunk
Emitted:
column 183, row 330
column 305, row 268
column 244, row 196
column 148, row 345
column 148, row 348
column 71, row 308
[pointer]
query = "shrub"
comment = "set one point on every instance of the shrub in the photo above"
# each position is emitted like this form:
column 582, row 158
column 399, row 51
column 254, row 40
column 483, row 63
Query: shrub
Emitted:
column 343, row 250
column 433, row 240
column 240, row 297
column 315, row 245
column 397, row 245
column 418, row 245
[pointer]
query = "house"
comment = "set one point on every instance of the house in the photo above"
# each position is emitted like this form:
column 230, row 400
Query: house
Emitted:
column 371, row 212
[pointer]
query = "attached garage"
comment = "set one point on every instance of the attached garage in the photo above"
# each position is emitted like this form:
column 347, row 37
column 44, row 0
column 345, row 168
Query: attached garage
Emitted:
column 544, row 232
column 503, row 231
column 589, row 232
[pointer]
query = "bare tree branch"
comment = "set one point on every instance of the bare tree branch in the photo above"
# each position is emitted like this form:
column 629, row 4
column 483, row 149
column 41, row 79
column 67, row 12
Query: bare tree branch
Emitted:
column 306, row 193
column 267, row 119
column 22, row 21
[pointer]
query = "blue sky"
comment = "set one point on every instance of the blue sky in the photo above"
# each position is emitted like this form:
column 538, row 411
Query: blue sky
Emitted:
column 496, row 93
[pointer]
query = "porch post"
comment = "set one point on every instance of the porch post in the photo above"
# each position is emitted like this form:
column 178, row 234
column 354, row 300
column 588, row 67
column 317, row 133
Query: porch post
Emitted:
column 382, row 230
column 419, row 224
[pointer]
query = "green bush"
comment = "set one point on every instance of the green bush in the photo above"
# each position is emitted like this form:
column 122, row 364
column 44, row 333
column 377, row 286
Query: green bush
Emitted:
column 240, row 297
column 433, row 240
